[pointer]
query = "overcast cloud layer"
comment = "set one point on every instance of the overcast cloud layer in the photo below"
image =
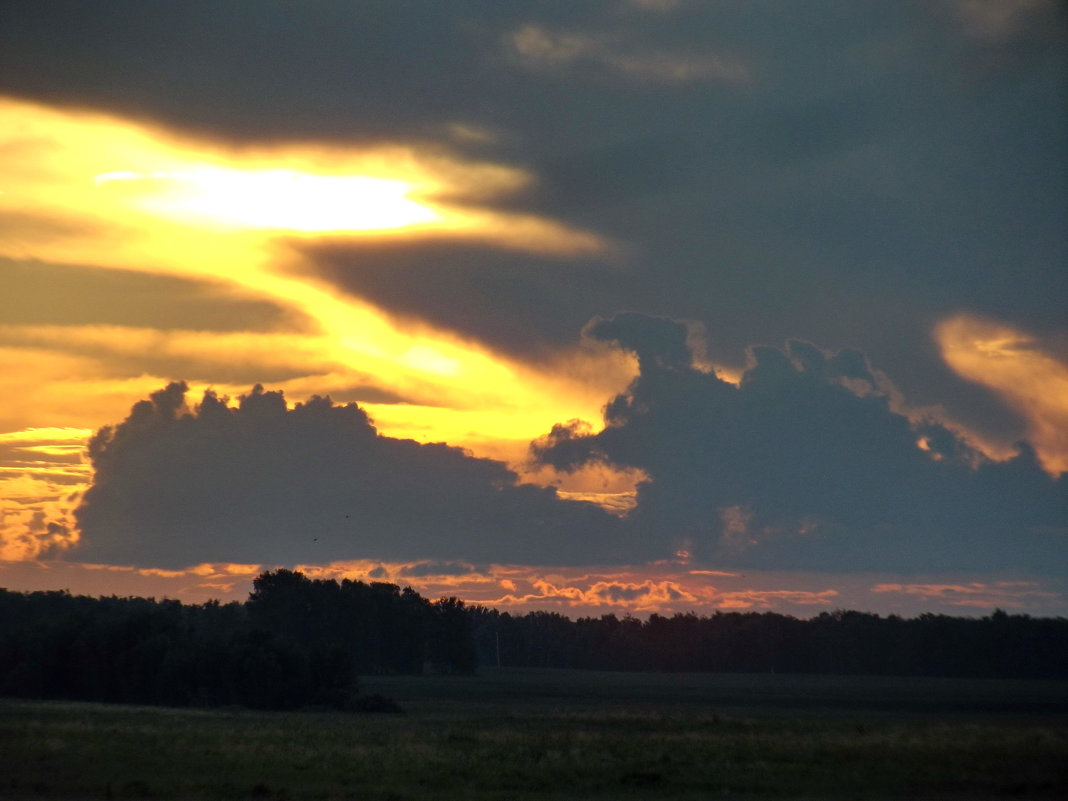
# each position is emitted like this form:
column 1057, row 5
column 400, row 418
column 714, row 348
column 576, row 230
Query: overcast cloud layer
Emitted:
column 833, row 237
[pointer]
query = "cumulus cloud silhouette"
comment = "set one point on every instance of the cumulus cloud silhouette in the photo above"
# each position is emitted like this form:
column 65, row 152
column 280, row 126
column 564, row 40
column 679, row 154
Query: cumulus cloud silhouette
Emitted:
column 176, row 484
column 805, row 465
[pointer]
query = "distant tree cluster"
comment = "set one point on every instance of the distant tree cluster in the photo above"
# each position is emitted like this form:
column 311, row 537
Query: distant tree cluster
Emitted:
column 296, row 642
column 843, row 642
column 383, row 628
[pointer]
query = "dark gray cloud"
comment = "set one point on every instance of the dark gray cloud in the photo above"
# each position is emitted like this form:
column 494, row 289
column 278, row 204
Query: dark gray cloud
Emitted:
column 445, row 568
column 260, row 483
column 805, row 465
column 659, row 343
column 522, row 303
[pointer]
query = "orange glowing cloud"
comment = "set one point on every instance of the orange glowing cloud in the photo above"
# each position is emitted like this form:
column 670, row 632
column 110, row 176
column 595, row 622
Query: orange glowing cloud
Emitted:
column 665, row 588
column 42, row 472
column 634, row 590
column 35, row 517
column 1024, row 373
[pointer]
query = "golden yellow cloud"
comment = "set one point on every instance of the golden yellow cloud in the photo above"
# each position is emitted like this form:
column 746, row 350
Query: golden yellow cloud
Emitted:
column 125, row 195
column 1021, row 370
column 35, row 517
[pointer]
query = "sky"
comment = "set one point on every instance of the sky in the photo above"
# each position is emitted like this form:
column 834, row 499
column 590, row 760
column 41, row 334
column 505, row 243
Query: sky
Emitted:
column 601, row 307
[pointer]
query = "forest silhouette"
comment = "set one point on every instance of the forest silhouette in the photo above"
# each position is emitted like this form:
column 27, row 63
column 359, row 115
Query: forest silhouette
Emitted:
column 300, row 642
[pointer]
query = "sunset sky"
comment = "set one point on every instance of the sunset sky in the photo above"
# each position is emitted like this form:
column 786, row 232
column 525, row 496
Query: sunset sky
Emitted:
column 609, row 306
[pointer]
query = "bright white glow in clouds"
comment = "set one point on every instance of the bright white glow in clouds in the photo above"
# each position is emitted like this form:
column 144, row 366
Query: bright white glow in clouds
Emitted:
column 274, row 199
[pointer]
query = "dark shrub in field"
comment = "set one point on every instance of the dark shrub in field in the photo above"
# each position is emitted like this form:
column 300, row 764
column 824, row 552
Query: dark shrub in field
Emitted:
column 375, row 704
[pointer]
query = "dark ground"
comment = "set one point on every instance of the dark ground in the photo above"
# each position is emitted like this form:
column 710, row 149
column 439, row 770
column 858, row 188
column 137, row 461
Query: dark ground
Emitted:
column 526, row 734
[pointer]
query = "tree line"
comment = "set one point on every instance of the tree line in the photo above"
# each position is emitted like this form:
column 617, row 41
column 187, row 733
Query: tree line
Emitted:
column 841, row 642
column 299, row 642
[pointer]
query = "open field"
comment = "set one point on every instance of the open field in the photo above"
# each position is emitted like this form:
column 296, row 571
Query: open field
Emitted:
column 525, row 734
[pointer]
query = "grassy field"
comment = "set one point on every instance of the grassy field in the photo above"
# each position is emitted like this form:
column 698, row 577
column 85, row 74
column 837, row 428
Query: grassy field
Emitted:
column 525, row 734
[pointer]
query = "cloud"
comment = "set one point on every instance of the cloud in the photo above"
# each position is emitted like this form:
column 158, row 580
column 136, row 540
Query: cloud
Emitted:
column 657, row 5
column 976, row 594
column 521, row 303
column 864, row 184
column 539, row 47
column 260, row 482
column 41, row 294
column 643, row 596
column 209, row 356
column 1001, row 20
column 1020, row 369
column 806, row 465
column 437, row 569
column 55, row 451
column 137, row 219
column 35, row 518
column 657, row 342
column 197, row 584
column 769, row 599
column 42, row 473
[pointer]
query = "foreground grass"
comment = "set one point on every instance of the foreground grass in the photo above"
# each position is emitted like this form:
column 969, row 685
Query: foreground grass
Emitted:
column 556, row 734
